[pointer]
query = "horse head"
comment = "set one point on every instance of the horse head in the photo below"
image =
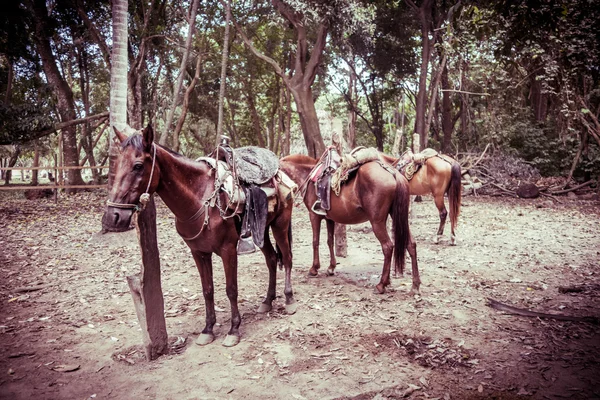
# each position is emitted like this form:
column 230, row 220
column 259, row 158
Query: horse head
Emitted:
column 135, row 177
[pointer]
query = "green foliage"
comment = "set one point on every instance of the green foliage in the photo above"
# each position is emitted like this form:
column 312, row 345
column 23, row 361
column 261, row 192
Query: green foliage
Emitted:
column 22, row 123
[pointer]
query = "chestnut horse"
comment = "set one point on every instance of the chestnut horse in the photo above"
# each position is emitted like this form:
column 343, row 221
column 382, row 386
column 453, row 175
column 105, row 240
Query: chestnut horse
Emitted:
column 187, row 187
column 370, row 194
column 438, row 175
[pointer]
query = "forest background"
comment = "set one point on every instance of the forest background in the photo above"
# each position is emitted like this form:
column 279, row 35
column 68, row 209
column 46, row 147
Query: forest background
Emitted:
column 521, row 78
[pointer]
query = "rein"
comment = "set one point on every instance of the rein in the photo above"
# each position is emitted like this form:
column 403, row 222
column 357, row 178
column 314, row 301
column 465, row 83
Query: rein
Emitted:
column 144, row 198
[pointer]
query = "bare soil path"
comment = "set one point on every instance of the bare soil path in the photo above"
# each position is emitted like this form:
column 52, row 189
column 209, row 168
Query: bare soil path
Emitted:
column 76, row 336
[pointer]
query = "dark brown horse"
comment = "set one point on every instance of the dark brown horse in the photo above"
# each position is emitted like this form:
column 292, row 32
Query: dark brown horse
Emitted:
column 371, row 194
column 187, row 187
column 438, row 175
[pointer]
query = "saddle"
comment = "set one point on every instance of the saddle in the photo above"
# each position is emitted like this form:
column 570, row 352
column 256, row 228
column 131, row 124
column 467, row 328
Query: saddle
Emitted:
column 254, row 184
column 410, row 163
column 333, row 171
column 321, row 176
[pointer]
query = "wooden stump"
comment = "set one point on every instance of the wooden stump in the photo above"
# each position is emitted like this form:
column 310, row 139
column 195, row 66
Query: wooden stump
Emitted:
column 528, row 191
column 341, row 241
column 146, row 289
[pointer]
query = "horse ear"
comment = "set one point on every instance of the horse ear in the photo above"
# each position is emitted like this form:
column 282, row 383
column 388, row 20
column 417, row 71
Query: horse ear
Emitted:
column 119, row 136
column 148, row 137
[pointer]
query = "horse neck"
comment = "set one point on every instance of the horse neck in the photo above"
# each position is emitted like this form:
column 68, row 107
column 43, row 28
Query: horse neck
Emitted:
column 299, row 171
column 183, row 183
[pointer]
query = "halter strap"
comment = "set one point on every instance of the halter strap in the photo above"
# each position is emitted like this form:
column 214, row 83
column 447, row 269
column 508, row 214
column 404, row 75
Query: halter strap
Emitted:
column 145, row 197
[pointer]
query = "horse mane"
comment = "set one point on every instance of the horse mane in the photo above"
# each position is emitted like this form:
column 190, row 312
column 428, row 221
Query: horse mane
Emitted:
column 136, row 141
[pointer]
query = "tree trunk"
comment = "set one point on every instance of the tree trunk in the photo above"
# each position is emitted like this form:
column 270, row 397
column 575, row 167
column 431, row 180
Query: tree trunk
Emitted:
column 118, row 82
column 36, row 163
column 224, row 59
column 9, row 82
column 309, row 121
column 185, row 105
column 11, row 163
column 447, row 124
column 286, row 119
column 424, row 15
column 351, row 136
column 64, row 94
column 182, row 68
column 256, row 125
column 399, row 131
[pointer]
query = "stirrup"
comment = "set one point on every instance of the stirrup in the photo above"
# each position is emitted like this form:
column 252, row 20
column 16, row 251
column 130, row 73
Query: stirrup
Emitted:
column 316, row 208
column 246, row 245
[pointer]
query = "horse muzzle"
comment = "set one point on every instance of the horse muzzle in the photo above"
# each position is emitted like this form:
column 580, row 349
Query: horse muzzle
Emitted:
column 117, row 219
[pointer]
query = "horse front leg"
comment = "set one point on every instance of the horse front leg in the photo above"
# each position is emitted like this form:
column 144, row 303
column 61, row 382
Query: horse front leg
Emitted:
column 330, row 244
column 439, row 203
column 416, row 278
column 380, row 231
column 204, row 265
column 271, row 260
column 229, row 256
column 315, row 223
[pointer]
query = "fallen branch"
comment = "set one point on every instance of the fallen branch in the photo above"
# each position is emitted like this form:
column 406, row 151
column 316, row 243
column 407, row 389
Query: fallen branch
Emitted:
column 511, row 192
column 31, row 288
column 577, row 288
column 527, row 313
column 574, row 188
column 550, row 196
column 481, row 156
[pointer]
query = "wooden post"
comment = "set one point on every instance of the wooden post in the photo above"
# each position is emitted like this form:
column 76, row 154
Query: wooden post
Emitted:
column 146, row 288
column 340, row 238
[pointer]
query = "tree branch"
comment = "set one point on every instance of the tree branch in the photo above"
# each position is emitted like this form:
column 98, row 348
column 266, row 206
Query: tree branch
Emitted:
column 61, row 125
column 258, row 54
column 316, row 55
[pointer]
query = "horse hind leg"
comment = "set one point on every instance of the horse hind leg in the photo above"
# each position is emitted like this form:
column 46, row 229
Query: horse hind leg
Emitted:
column 380, row 231
column 330, row 244
column 271, row 260
column 439, row 203
column 315, row 222
column 416, row 278
column 282, row 239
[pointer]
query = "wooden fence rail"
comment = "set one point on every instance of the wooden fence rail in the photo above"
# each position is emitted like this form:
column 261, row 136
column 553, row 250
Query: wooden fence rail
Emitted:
column 51, row 185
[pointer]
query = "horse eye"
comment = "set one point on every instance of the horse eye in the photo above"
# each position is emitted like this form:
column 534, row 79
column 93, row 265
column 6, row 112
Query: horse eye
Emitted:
column 138, row 167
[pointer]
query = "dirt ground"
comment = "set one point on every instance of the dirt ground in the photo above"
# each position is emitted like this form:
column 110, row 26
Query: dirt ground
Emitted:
column 77, row 337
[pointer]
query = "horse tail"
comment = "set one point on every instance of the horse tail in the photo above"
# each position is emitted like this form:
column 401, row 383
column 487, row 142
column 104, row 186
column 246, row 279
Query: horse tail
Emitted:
column 455, row 193
column 400, row 209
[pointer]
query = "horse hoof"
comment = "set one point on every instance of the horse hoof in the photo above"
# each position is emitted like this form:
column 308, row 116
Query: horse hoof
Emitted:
column 330, row 271
column 291, row 308
column 312, row 273
column 231, row 340
column 264, row 308
column 379, row 289
column 205, row 338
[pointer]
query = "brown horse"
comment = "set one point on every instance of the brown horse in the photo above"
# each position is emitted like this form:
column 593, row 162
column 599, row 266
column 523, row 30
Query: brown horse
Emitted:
column 438, row 175
column 371, row 194
column 187, row 187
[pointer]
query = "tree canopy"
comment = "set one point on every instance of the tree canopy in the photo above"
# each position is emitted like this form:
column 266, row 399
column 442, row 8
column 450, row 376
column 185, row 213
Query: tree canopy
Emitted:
column 520, row 76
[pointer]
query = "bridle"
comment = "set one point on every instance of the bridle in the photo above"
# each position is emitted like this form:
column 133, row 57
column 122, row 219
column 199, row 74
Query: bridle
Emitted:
column 144, row 198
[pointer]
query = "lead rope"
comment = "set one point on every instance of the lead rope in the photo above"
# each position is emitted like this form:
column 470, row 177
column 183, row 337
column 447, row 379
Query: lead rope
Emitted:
column 145, row 197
